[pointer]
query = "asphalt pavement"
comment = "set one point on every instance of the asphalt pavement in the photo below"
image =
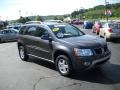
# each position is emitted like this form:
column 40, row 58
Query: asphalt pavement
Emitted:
column 36, row 74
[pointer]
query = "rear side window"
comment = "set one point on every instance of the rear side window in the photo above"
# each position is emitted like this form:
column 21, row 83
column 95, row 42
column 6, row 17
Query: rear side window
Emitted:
column 22, row 30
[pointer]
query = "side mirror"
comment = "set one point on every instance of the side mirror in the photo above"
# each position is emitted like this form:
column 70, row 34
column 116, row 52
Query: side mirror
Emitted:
column 46, row 37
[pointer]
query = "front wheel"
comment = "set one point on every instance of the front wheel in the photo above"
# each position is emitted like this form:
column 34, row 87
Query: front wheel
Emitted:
column 1, row 41
column 22, row 53
column 63, row 65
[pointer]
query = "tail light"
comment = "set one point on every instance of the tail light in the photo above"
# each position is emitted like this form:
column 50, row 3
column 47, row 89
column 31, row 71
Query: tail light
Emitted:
column 110, row 30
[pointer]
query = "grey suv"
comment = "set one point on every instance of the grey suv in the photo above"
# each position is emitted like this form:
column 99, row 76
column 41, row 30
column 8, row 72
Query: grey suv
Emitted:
column 63, row 44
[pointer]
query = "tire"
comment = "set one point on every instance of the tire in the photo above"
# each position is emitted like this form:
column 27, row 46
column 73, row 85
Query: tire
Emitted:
column 106, row 39
column 97, row 32
column 99, row 35
column 64, row 65
column 0, row 41
column 22, row 53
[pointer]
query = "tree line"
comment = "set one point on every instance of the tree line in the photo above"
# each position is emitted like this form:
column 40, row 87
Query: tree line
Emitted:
column 40, row 18
column 97, row 12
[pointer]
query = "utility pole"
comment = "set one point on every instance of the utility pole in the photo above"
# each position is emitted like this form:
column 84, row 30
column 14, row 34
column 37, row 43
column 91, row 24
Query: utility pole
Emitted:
column 106, row 10
column 20, row 13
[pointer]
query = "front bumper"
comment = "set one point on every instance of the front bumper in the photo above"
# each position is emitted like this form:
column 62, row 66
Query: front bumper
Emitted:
column 86, row 63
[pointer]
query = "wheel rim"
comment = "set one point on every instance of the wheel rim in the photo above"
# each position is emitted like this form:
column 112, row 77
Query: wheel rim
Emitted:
column 63, row 66
column 21, row 51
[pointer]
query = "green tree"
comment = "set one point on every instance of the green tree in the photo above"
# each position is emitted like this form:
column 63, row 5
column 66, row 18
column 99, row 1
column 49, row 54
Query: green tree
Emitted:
column 98, row 12
column 60, row 18
column 27, row 19
column 55, row 18
column 21, row 20
column 38, row 18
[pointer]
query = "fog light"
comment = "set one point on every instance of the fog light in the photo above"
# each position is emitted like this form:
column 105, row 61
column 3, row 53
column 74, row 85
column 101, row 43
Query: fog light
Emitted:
column 86, row 64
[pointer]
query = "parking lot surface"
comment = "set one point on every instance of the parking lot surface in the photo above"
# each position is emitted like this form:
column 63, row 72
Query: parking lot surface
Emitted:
column 36, row 74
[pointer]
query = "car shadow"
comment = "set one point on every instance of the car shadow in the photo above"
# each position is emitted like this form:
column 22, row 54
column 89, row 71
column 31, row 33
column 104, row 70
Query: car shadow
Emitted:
column 117, row 41
column 112, row 71
column 42, row 63
column 98, row 75
column 7, row 42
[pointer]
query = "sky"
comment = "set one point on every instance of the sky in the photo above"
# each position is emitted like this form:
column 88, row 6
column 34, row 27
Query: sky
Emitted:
column 12, row 9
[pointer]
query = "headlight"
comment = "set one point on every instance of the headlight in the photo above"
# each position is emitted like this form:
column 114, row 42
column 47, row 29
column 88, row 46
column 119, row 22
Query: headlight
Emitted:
column 83, row 52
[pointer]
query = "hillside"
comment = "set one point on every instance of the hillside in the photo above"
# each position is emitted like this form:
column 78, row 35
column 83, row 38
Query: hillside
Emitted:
column 98, row 12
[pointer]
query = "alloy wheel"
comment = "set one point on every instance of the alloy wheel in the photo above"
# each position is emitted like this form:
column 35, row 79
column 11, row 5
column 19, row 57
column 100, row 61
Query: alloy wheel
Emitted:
column 63, row 66
column 21, row 52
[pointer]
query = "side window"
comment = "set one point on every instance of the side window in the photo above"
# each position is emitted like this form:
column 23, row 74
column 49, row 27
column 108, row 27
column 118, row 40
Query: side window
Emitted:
column 104, row 25
column 107, row 25
column 12, row 31
column 22, row 30
column 31, row 31
column 6, row 32
column 9, row 31
column 41, row 31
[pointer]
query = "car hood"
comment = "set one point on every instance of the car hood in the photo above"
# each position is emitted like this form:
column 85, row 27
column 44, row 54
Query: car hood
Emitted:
column 85, row 41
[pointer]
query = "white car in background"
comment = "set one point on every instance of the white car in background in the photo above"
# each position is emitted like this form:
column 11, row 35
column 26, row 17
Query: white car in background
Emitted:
column 110, row 31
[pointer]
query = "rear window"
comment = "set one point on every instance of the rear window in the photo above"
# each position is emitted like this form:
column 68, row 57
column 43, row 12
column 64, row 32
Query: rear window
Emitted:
column 115, row 26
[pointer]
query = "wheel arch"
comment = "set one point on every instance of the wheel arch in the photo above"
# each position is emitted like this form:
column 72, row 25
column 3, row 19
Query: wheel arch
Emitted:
column 61, row 52
column 19, row 44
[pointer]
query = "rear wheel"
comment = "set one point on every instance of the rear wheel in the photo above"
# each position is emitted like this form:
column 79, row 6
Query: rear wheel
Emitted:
column 0, row 41
column 22, row 53
column 105, row 37
column 100, row 35
column 63, row 65
column 97, row 32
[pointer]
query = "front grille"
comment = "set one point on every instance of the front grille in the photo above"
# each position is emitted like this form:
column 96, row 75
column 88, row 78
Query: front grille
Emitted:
column 101, row 50
column 98, row 50
column 105, row 49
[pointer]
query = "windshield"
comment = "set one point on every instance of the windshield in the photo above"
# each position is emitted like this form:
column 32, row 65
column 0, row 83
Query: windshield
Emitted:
column 65, row 31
